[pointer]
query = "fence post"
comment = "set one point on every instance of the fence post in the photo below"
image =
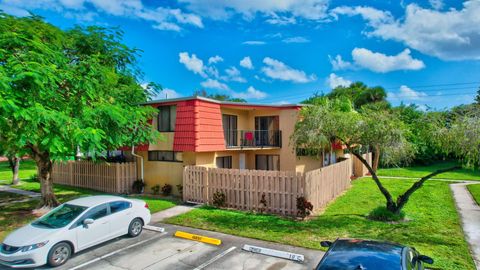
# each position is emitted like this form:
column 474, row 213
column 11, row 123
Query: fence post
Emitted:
column 206, row 193
column 117, row 177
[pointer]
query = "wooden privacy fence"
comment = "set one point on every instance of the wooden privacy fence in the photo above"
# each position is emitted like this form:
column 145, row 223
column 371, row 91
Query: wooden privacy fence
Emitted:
column 269, row 191
column 360, row 170
column 106, row 177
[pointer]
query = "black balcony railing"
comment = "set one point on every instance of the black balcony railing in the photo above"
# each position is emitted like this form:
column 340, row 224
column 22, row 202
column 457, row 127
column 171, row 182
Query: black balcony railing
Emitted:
column 253, row 138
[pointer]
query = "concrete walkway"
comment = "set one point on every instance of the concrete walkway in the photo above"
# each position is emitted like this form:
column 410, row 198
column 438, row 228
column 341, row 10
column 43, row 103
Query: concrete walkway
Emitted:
column 19, row 191
column 470, row 216
column 171, row 212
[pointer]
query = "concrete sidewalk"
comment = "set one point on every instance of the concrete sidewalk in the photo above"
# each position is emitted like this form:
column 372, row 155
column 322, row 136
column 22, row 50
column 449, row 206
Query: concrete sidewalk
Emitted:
column 470, row 216
column 171, row 212
column 19, row 191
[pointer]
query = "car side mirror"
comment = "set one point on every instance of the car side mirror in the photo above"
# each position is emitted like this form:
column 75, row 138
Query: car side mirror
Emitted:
column 326, row 243
column 88, row 221
column 425, row 259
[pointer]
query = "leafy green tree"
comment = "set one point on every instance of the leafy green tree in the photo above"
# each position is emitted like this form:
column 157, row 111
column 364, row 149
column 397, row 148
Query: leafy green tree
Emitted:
column 68, row 90
column 220, row 97
column 477, row 98
column 13, row 154
column 360, row 94
column 381, row 130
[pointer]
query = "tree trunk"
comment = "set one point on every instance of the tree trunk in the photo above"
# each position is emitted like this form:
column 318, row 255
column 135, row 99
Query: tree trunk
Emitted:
column 45, row 165
column 15, row 167
column 376, row 158
column 403, row 199
column 390, row 203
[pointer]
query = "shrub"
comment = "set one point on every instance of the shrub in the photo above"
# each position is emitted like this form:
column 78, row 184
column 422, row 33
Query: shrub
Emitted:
column 180, row 189
column 156, row 190
column 263, row 203
column 219, row 199
column 138, row 186
column 304, row 207
column 167, row 189
column 33, row 178
column 382, row 214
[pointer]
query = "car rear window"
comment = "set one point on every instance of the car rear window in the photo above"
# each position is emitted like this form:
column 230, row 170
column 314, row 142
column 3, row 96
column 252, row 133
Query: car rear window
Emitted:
column 361, row 254
column 119, row 206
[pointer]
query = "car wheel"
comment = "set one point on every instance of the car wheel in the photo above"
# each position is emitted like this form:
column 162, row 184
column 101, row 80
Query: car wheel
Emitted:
column 135, row 228
column 59, row 254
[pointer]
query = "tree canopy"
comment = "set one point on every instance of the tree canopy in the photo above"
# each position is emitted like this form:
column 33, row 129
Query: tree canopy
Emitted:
column 63, row 91
column 360, row 94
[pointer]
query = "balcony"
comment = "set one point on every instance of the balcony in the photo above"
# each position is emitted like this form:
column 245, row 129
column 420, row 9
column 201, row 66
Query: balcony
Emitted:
column 253, row 138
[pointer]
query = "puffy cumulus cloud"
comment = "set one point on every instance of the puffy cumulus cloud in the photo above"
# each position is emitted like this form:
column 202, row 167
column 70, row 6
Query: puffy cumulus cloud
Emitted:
column 246, row 62
column 378, row 62
column 275, row 11
column 214, row 84
column 162, row 18
column 449, row 35
column 338, row 63
column 406, row 93
column 280, row 71
column 372, row 15
column 334, row 81
column 436, row 4
column 215, row 59
column 383, row 63
column 192, row 63
column 233, row 74
column 251, row 93
column 296, row 40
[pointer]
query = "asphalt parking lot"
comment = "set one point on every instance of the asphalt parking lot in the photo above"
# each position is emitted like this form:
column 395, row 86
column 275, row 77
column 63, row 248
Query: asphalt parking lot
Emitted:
column 155, row 250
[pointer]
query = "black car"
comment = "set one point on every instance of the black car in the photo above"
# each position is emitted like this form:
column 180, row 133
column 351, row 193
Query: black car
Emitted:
column 357, row 254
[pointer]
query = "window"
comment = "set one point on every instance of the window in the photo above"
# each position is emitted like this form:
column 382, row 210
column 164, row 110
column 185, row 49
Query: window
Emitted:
column 230, row 129
column 267, row 162
column 119, row 206
column 224, row 162
column 95, row 213
column 165, row 156
column 60, row 217
column 166, row 118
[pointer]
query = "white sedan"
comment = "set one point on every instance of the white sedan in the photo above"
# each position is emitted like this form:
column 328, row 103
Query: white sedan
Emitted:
column 72, row 227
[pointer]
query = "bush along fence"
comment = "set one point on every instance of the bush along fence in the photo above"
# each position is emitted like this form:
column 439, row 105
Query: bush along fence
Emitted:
column 106, row 177
column 277, row 192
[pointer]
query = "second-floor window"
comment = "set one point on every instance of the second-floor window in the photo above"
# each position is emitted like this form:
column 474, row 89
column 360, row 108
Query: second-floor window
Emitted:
column 230, row 129
column 166, row 118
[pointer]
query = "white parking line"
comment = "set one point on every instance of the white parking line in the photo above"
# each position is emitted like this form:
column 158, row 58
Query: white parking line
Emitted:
column 116, row 251
column 212, row 260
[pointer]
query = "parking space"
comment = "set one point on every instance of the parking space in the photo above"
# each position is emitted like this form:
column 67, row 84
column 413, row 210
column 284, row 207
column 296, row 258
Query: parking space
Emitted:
column 156, row 250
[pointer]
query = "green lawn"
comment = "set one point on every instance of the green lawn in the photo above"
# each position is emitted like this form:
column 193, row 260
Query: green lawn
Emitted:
column 27, row 169
column 419, row 171
column 475, row 191
column 434, row 226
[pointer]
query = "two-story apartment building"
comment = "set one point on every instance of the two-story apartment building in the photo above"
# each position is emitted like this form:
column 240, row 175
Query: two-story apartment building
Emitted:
column 205, row 132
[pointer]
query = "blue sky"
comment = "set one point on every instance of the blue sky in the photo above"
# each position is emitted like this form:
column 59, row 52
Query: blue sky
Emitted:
column 282, row 51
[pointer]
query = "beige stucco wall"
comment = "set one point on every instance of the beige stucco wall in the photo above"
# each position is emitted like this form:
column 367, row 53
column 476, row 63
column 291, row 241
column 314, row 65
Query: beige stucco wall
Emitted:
column 160, row 173
column 305, row 164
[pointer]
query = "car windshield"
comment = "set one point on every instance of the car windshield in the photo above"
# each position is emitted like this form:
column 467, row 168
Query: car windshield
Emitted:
column 60, row 216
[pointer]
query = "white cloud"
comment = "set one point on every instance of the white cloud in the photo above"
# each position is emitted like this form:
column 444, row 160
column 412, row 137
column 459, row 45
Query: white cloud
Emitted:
column 251, row 93
column 246, row 62
column 233, row 74
column 168, row 93
column 214, row 84
column 372, row 15
column 215, row 59
column 382, row 63
column 254, row 42
column 278, row 70
column 281, row 20
column 436, row 4
column 338, row 63
column 192, row 63
column 296, row 40
column 450, row 35
column 169, row 19
column 407, row 94
column 272, row 9
column 334, row 81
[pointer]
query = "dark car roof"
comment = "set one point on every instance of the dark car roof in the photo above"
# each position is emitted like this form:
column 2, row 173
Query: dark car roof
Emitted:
column 358, row 254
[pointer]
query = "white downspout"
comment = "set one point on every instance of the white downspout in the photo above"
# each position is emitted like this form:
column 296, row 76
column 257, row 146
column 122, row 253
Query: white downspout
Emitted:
column 141, row 162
